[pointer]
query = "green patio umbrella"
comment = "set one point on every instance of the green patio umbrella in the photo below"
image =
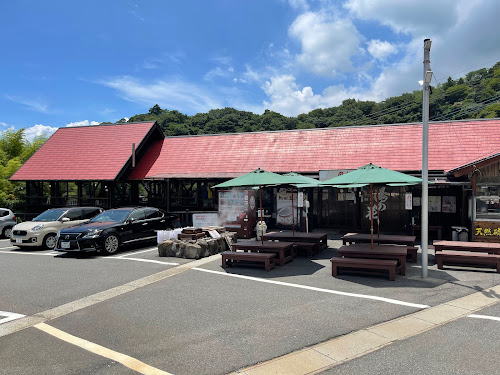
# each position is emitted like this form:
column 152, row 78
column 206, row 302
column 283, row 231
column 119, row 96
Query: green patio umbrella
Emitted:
column 303, row 181
column 371, row 175
column 259, row 178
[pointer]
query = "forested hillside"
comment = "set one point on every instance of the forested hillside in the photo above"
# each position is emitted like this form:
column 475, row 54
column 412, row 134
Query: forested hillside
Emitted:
column 476, row 95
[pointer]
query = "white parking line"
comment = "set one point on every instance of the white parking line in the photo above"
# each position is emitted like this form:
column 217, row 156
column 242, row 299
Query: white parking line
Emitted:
column 365, row 296
column 484, row 317
column 9, row 316
column 24, row 253
column 137, row 252
column 9, row 247
column 145, row 260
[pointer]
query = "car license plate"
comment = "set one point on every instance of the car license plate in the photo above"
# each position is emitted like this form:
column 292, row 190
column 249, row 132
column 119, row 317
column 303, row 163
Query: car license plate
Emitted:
column 65, row 245
column 19, row 240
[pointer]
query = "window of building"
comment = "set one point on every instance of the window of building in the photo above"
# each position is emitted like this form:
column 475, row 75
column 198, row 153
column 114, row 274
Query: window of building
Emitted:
column 488, row 201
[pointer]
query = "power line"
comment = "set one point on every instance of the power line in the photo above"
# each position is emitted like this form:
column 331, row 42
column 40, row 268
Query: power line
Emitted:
column 468, row 70
column 474, row 107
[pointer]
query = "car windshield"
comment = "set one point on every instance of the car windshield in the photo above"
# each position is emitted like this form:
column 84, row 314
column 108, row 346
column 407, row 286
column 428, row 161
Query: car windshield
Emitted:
column 50, row 215
column 118, row 216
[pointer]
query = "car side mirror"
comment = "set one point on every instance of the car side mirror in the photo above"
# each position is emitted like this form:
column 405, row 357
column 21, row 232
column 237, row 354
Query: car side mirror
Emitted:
column 65, row 219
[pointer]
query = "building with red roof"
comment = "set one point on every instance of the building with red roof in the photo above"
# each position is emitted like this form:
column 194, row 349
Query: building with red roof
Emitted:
column 94, row 165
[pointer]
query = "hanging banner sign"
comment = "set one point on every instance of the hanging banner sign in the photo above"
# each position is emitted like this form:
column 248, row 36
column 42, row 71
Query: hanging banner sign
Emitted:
column 408, row 201
column 300, row 199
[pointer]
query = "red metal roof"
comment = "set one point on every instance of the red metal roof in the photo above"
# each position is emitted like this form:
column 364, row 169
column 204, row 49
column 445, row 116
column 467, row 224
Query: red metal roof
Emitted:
column 84, row 153
column 397, row 147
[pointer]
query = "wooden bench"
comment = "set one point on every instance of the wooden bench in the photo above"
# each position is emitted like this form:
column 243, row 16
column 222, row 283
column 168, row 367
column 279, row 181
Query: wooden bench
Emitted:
column 310, row 248
column 251, row 259
column 364, row 264
column 412, row 253
column 467, row 259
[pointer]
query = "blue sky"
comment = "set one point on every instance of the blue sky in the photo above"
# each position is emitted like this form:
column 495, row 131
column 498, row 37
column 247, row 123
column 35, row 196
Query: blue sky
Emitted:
column 68, row 63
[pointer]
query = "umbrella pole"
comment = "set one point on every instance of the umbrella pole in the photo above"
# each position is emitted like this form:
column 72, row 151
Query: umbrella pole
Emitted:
column 260, row 199
column 371, row 212
column 378, row 216
column 293, row 216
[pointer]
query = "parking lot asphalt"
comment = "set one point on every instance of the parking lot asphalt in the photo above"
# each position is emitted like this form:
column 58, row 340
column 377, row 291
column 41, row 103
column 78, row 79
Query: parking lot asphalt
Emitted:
column 39, row 280
column 205, row 320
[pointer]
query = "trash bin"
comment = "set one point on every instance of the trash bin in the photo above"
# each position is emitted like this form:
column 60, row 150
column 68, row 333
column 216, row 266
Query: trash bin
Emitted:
column 260, row 229
column 459, row 234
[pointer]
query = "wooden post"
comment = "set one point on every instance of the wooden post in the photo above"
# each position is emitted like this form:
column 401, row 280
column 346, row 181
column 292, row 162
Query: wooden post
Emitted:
column 371, row 212
column 378, row 215
column 260, row 199
column 293, row 216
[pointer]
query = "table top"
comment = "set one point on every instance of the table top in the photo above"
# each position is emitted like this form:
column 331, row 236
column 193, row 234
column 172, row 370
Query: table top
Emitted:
column 259, row 245
column 377, row 249
column 467, row 244
column 288, row 234
column 383, row 237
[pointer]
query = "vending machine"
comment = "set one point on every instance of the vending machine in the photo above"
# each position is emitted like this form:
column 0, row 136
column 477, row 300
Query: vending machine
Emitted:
column 237, row 211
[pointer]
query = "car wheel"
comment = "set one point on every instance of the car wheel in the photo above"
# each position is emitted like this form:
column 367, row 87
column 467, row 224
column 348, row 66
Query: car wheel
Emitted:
column 111, row 244
column 49, row 241
column 7, row 231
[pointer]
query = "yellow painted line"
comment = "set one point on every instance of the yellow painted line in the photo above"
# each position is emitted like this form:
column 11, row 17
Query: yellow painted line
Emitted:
column 124, row 359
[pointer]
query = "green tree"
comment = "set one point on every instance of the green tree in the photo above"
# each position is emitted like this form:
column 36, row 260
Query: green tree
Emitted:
column 15, row 150
column 155, row 110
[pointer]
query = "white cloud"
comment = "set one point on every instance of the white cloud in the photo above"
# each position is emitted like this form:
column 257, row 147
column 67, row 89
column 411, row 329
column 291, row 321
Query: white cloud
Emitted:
column 152, row 63
column 168, row 94
column 380, row 49
column 299, row 4
column 3, row 124
column 218, row 72
column 287, row 98
column 452, row 25
column 327, row 42
column 37, row 130
column 32, row 104
column 409, row 16
column 82, row 123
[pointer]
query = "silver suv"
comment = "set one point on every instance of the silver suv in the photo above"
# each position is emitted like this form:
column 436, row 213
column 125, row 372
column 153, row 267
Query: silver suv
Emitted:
column 42, row 230
column 7, row 221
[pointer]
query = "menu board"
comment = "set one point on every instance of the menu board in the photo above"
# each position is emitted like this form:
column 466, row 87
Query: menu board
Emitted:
column 435, row 203
column 449, row 204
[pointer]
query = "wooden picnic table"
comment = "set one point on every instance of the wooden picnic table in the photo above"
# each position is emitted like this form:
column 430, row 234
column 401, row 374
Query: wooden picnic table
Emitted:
column 283, row 250
column 481, row 247
column 289, row 236
column 431, row 228
column 362, row 250
column 383, row 239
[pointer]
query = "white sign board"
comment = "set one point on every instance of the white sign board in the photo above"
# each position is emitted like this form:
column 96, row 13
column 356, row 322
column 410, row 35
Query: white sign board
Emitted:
column 408, row 201
column 300, row 199
column 207, row 219
column 286, row 214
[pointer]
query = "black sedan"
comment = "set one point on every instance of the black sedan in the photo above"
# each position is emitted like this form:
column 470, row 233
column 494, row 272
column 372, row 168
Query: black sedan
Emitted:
column 111, row 229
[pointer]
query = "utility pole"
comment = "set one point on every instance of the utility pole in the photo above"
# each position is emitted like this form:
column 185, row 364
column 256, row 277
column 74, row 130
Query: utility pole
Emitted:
column 425, row 156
